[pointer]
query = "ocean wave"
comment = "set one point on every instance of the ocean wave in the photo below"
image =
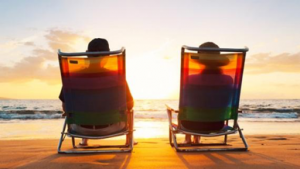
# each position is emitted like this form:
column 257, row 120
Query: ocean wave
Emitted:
column 29, row 114
column 270, row 115
column 270, row 110
column 292, row 116
column 48, row 114
column 14, row 107
column 248, row 110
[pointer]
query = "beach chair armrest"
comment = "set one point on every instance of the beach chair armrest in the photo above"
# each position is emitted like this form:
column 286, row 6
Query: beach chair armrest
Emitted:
column 171, row 109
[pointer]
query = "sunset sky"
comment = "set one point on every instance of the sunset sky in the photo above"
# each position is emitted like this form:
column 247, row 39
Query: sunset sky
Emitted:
column 152, row 32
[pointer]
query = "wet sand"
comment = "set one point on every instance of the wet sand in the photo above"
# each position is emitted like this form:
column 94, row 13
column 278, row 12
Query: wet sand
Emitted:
column 50, row 129
column 265, row 151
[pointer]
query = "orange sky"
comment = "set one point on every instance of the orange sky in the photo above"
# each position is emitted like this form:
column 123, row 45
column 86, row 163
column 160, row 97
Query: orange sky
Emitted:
column 153, row 34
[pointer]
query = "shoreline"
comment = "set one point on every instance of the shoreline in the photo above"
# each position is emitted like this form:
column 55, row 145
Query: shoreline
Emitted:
column 265, row 151
column 51, row 129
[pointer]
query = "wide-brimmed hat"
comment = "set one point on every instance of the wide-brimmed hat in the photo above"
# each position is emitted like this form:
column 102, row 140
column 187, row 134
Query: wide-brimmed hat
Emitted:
column 212, row 58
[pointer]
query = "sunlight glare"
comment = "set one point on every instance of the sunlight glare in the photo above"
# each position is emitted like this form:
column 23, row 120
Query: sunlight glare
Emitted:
column 151, row 76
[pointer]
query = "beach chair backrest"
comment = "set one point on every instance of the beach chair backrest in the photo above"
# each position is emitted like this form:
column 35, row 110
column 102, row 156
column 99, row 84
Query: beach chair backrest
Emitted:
column 210, row 84
column 94, row 88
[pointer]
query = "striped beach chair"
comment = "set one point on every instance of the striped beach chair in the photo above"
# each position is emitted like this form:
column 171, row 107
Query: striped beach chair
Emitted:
column 94, row 89
column 209, row 93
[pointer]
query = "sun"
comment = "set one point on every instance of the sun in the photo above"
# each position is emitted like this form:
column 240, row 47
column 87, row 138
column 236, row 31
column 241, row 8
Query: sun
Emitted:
column 152, row 77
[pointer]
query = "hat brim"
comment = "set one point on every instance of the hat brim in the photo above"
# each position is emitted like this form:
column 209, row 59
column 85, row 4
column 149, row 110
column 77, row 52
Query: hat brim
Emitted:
column 213, row 60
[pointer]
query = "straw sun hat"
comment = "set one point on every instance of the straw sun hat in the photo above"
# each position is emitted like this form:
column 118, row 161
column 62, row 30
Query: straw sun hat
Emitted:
column 212, row 58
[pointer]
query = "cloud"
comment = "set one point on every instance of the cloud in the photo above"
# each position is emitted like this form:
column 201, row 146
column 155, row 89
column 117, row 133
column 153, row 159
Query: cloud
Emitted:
column 36, row 66
column 266, row 63
column 29, row 44
column 9, row 45
column 59, row 39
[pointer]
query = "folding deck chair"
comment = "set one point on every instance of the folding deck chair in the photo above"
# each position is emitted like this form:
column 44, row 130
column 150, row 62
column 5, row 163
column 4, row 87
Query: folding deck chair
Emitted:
column 94, row 90
column 207, row 96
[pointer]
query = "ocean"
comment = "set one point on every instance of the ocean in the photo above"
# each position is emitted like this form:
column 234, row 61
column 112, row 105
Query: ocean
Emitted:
column 266, row 110
column 41, row 119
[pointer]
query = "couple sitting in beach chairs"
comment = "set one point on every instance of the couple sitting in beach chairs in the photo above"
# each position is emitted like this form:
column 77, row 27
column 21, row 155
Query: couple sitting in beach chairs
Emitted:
column 98, row 104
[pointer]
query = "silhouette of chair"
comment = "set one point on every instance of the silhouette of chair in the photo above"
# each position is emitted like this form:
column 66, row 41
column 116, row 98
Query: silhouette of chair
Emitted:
column 210, row 89
column 94, row 88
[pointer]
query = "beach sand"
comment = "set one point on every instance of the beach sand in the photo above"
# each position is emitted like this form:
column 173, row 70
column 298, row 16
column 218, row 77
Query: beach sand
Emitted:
column 265, row 151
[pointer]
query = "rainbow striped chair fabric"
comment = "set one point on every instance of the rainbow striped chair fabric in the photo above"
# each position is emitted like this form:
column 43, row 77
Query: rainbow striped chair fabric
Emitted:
column 94, row 90
column 209, row 93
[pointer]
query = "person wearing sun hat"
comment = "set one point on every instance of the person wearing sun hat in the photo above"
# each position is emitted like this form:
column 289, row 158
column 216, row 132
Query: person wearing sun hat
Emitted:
column 98, row 45
column 212, row 73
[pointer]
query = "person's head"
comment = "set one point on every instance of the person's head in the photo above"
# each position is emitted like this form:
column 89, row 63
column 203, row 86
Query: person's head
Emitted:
column 209, row 45
column 98, row 45
column 221, row 61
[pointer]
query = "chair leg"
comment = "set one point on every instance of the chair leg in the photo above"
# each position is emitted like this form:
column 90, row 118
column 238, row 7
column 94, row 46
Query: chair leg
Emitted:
column 62, row 137
column 60, row 142
column 129, row 136
column 242, row 137
column 175, row 142
column 170, row 138
column 169, row 112
column 131, row 141
column 225, row 139
column 73, row 142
